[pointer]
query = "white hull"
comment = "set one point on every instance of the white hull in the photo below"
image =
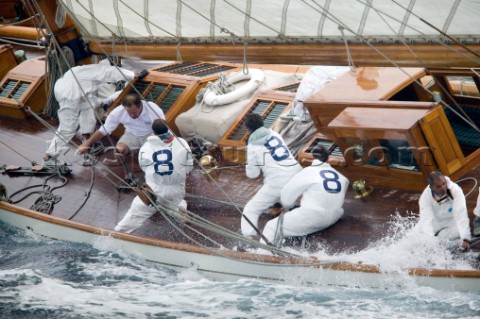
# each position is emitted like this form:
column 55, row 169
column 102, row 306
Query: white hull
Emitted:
column 228, row 265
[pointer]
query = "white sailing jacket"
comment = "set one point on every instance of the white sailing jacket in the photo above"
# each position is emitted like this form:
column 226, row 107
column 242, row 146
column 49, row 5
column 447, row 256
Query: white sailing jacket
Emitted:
column 322, row 189
column 91, row 77
column 165, row 164
column 435, row 216
column 267, row 153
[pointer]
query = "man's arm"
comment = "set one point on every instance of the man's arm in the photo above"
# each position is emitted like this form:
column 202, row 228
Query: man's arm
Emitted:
column 252, row 170
column 460, row 213
column 295, row 187
column 85, row 146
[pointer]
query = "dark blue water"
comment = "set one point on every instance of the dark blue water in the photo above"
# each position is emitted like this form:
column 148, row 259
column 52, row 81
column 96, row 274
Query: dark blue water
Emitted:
column 44, row 278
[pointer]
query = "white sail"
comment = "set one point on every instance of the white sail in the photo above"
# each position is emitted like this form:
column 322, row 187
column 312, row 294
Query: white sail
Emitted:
column 289, row 21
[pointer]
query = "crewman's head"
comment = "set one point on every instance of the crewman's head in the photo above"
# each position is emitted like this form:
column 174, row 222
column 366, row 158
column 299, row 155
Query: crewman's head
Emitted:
column 133, row 105
column 160, row 128
column 320, row 153
column 438, row 183
column 253, row 122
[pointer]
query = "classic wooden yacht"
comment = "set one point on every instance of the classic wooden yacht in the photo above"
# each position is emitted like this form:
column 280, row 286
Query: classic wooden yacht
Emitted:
column 387, row 128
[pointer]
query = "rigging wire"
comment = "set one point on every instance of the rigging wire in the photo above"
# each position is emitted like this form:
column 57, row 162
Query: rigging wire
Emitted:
column 14, row 150
column 467, row 118
column 436, row 29
column 196, row 161
column 3, row 24
column 339, row 22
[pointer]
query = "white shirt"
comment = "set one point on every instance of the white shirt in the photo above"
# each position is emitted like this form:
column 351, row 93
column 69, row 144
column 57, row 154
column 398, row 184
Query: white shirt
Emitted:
column 165, row 164
column 434, row 217
column 139, row 127
column 321, row 186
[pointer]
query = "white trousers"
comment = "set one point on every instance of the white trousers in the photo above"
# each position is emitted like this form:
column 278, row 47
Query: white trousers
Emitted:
column 263, row 199
column 301, row 221
column 72, row 116
column 448, row 231
column 139, row 213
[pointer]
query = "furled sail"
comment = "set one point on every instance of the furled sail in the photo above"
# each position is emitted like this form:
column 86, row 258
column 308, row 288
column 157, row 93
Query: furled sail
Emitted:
column 263, row 21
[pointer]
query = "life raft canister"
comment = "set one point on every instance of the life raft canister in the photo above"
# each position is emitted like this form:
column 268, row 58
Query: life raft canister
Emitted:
column 255, row 77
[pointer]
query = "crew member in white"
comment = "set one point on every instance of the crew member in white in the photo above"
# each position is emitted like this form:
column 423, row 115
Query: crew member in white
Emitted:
column 78, row 93
column 166, row 160
column 267, row 154
column 322, row 189
column 443, row 210
column 136, row 116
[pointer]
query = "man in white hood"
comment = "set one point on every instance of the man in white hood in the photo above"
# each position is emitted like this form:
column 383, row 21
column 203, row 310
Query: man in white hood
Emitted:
column 267, row 153
column 323, row 192
column 77, row 93
column 443, row 210
column 166, row 161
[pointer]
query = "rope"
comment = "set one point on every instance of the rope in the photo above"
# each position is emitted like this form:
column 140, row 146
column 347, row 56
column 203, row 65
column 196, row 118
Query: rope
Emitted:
column 47, row 200
column 351, row 65
column 17, row 22
column 87, row 194
column 245, row 65
column 56, row 68
column 278, row 238
column 168, row 208
column 3, row 193
column 475, row 183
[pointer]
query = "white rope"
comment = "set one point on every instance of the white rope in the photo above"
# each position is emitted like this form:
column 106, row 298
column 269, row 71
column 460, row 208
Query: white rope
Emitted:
column 245, row 65
column 351, row 65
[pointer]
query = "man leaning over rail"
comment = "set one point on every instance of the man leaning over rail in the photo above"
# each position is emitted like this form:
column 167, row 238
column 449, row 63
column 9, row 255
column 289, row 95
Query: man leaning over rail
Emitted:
column 166, row 160
column 443, row 210
column 323, row 192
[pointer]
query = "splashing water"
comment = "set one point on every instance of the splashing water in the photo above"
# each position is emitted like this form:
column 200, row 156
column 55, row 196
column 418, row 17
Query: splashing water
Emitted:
column 406, row 247
column 42, row 278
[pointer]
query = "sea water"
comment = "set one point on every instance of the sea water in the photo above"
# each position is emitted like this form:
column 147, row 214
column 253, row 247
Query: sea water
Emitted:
column 45, row 278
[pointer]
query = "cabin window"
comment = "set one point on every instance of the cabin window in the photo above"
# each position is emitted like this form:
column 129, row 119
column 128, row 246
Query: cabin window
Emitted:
column 195, row 69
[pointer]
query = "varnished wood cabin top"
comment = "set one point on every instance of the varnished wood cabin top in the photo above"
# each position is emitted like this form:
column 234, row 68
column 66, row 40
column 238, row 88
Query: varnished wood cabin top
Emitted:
column 368, row 83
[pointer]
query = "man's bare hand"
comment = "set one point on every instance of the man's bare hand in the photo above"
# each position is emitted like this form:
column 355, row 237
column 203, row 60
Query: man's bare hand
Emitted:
column 82, row 149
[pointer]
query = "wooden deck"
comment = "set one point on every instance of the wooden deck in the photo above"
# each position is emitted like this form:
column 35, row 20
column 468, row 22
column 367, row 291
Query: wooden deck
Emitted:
column 23, row 141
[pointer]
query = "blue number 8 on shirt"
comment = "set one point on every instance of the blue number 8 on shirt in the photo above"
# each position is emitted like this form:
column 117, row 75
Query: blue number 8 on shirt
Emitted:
column 162, row 162
column 330, row 181
column 273, row 144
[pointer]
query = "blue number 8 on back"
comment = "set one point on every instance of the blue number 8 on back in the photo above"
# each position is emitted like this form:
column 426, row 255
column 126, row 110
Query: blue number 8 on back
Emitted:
column 330, row 181
column 158, row 163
